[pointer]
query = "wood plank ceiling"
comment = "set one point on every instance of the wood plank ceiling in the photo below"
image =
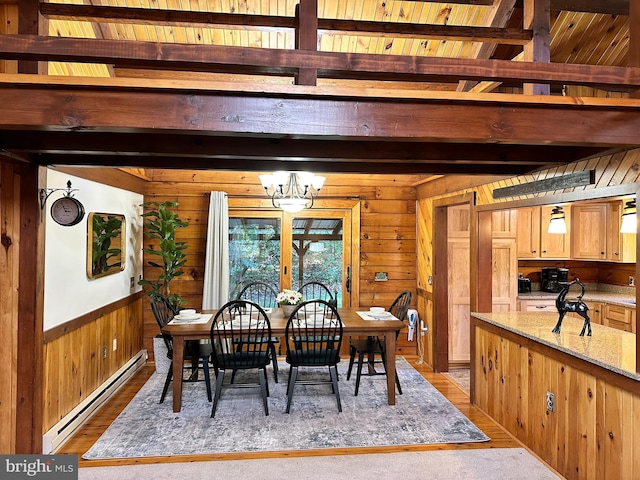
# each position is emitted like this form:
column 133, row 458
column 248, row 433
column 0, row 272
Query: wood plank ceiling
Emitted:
column 594, row 32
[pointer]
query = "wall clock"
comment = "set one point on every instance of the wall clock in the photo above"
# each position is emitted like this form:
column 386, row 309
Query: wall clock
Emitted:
column 67, row 211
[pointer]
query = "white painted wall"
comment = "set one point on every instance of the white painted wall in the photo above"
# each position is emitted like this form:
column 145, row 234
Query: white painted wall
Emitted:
column 68, row 291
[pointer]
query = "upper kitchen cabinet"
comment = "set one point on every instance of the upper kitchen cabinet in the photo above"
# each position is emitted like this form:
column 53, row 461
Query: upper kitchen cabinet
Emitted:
column 596, row 233
column 621, row 247
column 589, row 234
column 533, row 238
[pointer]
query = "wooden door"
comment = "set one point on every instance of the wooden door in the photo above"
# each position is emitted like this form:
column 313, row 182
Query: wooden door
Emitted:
column 458, row 277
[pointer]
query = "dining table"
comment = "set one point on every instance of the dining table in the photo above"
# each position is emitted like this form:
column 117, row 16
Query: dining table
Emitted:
column 356, row 322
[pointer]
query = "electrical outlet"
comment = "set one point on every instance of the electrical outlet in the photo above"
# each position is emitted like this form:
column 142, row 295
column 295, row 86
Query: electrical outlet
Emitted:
column 551, row 404
column 115, row 344
column 132, row 282
column 104, row 351
column 632, row 281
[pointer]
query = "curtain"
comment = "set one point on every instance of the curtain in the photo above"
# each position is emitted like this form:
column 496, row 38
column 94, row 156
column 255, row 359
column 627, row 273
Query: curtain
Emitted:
column 216, row 267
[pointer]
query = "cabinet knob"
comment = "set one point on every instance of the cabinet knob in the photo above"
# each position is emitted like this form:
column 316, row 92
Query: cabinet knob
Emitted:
column 616, row 254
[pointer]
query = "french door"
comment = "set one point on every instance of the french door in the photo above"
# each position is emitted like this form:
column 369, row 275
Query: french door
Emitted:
column 287, row 250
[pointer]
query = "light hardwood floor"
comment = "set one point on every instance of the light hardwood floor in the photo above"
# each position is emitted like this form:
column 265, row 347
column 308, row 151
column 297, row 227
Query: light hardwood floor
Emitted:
column 89, row 433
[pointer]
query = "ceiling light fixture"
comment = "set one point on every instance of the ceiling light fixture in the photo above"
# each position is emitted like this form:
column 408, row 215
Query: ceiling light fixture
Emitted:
column 557, row 223
column 292, row 191
column 629, row 222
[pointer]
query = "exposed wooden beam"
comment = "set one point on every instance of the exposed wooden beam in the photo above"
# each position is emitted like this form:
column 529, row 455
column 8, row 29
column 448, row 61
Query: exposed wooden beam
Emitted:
column 537, row 17
column 331, row 64
column 307, row 37
column 253, row 165
column 232, row 21
column 261, row 148
column 445, row 118
column 609, row 7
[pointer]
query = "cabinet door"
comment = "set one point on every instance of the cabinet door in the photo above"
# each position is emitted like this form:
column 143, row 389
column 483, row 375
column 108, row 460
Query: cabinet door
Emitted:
column 505, row 275
column 504, row 224
column 619, row 317
column 554, row 245
column 621, row 247
column 589, row 231
column 595, row 312
column 528, row 232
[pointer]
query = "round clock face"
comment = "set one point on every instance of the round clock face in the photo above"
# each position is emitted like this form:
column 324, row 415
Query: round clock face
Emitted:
column 67, row 211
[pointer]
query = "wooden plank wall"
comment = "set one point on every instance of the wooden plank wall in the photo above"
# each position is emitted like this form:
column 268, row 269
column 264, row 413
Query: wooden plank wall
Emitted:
column 588, row 436
column 8, row 24
column 9, row 271
column 387, row 230
column 610, row 170
column 73, row 362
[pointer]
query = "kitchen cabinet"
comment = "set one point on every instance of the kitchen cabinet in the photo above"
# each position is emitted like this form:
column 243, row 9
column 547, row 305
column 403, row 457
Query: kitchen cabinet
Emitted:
column 595, row 312
column 621, row 247
column 538, row 305
column 619, row 317
column 533, row 240
column 589, row 232
column 595, row 233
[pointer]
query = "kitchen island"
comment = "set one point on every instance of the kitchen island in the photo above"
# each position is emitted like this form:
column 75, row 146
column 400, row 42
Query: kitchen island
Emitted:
column 575, row 401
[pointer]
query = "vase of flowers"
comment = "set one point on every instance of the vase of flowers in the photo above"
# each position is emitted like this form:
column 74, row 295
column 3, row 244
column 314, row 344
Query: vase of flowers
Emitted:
column 288, row 300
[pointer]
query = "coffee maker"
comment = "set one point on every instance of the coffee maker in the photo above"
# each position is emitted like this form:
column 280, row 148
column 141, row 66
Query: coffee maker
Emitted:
column 553, row 279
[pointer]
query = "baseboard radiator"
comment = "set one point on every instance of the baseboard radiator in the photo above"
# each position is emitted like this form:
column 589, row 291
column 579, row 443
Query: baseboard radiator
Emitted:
column 61, row 431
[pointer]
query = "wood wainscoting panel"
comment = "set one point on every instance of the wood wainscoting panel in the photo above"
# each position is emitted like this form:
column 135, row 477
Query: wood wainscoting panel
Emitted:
column 590, row 432
column 78, row 362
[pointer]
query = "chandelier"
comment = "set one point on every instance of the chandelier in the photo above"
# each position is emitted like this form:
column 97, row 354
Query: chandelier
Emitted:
column 292, row 191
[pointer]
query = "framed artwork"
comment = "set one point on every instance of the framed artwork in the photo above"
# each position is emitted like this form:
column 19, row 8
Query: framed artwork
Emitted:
column 105, row 244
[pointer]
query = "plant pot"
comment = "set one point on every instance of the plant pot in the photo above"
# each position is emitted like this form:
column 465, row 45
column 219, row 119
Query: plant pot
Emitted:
column 287, row 310
column 160, row 355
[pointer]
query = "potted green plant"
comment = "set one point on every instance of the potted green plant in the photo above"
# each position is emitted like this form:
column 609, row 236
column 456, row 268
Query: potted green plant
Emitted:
column 161, row 223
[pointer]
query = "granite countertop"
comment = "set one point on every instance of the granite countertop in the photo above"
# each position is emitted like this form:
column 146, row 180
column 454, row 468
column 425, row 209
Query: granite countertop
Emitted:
column 607, row 347
column 618, row 298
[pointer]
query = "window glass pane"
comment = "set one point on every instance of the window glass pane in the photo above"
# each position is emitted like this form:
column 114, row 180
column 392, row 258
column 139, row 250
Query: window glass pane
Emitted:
column 254, row 252
column 317, row 253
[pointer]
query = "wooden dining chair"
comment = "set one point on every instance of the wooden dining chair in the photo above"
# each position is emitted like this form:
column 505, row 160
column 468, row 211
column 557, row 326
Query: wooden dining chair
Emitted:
column 240, row 334
column 194, row 351
column 372, row 346
column 313, row 336
column 317, row 290
column 266, row 296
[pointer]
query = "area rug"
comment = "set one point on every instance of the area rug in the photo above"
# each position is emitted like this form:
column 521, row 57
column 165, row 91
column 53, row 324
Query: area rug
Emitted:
column 461, row 377
column 422, row 415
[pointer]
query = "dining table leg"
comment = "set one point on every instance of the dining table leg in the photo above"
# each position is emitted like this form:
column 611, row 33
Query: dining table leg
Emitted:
column 178, row 362
column 390, row 347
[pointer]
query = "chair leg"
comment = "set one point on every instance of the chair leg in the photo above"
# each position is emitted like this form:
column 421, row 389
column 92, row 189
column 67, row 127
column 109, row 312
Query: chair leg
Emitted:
column 274, row 359
column 398, row 384
column 216, row 397
column 333, row 371
column 263, row 389
column 207, row 378
column 266, row 380
column 293, row 373
column 352, row 356
column 359, row 372
column 166, row 383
